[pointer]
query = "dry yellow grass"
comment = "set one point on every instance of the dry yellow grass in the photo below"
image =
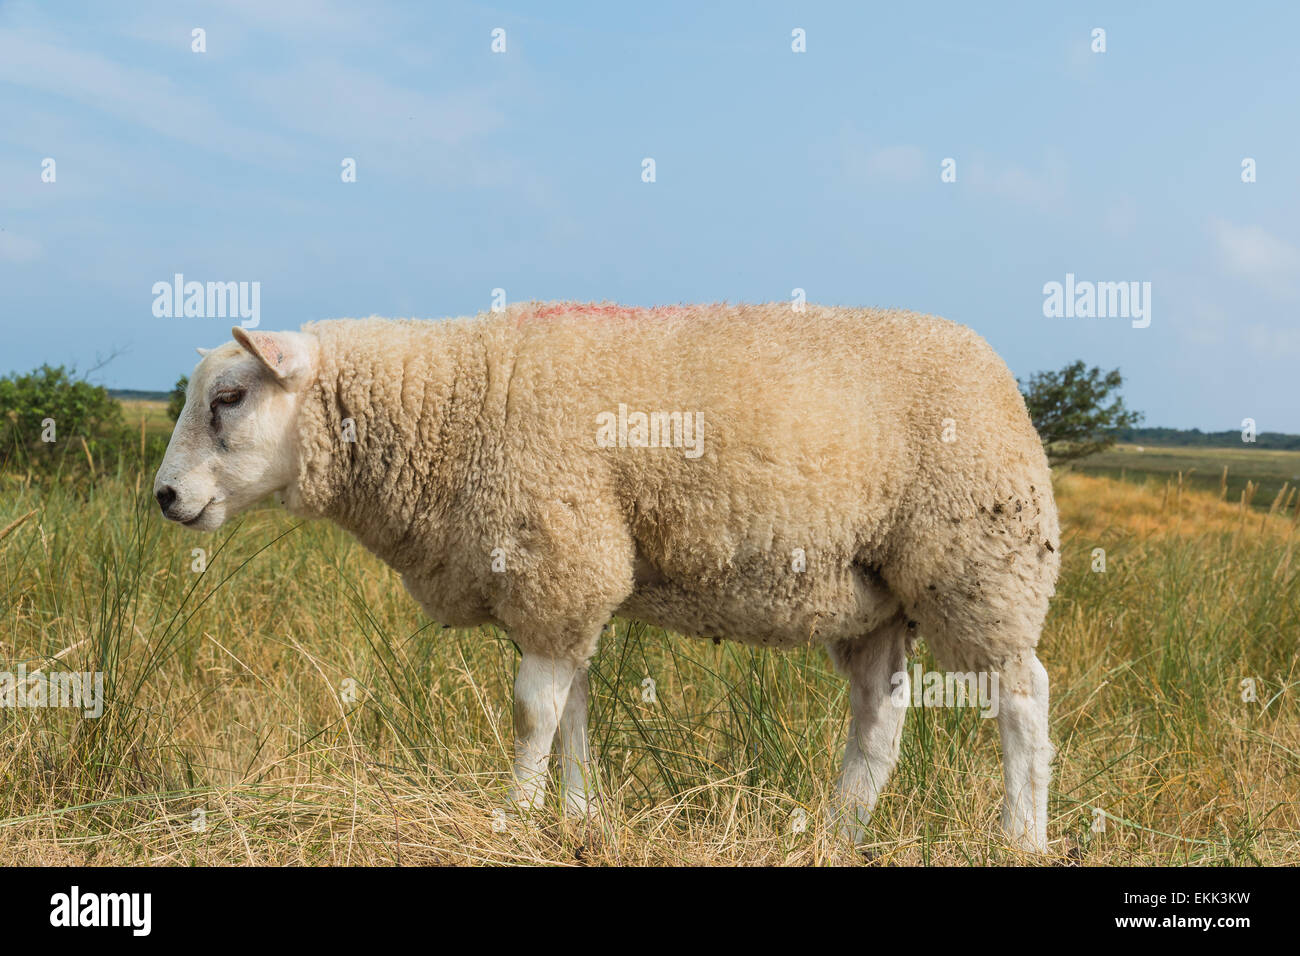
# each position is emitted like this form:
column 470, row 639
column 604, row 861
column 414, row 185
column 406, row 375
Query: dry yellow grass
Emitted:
column 229, row 705
column 1092, row 505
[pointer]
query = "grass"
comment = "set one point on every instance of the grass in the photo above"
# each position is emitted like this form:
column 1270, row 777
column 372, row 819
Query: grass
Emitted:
column 149, row 414
column 1259, row 473
column 289, row 704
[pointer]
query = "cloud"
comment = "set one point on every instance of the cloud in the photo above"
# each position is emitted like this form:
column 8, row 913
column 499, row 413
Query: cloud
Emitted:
column 1044, row 188
column 1274, row 342
column 295, row 18
column 1265, row 335
column 865, row 163
column 298, row 112
column 335, row 102
column 19, row 249
column 141, row 97
column 901, row 163
column 1120, row 217
column 1258, row 257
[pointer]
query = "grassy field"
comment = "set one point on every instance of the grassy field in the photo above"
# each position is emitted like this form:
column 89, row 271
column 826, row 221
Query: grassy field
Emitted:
column 1267, row 472
column 152, row 416
column 289, row 704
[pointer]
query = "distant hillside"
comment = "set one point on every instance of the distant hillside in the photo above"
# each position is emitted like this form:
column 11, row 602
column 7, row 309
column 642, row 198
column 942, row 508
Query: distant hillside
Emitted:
column 132, row 395
column 1277, row 441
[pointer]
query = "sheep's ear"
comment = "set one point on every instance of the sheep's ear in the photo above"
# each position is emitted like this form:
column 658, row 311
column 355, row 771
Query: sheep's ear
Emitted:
column 289, row 356
column 202, row 351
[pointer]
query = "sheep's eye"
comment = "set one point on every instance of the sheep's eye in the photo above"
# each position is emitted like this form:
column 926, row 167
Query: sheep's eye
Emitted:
column 231, row 397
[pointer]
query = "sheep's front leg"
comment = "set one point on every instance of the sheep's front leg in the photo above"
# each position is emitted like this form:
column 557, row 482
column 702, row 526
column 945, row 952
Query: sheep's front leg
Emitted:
column 541, row 693
column 577, row 778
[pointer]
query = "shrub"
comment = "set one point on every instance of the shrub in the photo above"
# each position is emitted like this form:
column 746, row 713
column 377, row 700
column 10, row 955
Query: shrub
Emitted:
column 42, row 413
column 176, row 400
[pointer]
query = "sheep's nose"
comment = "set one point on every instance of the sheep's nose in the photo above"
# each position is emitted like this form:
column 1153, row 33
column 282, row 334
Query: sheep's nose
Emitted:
column 165, row 495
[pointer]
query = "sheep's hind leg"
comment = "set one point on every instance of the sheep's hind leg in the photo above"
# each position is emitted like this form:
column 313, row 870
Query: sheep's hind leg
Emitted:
column 577, row 780
column 1026, row 751
column 876, row 665
column 541, row 695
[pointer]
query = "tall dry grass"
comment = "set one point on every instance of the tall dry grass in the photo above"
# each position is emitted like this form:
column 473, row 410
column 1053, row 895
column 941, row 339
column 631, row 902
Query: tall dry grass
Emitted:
column 289, row 704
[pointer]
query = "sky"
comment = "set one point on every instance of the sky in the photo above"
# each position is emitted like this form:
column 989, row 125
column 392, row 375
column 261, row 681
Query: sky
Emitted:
column 774, row 170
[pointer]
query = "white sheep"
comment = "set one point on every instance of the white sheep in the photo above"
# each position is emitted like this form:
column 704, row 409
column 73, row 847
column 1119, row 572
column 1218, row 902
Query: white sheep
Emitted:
column 854, row 477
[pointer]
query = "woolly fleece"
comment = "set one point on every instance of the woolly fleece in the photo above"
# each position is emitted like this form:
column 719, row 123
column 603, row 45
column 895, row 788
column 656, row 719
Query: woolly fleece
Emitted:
column 857, row 465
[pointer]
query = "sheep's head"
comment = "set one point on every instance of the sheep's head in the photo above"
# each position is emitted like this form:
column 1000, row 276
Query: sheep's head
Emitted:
column 234, row 441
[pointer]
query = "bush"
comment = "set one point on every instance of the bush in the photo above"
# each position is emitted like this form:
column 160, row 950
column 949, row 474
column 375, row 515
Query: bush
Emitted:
column 42, row 413
column 176, row 400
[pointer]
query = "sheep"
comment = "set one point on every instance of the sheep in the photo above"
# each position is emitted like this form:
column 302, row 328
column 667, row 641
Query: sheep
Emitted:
column 859, row 478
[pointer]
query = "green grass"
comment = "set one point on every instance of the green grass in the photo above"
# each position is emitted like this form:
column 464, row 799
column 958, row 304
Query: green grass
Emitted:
column 1201, row 468
column 154, row 415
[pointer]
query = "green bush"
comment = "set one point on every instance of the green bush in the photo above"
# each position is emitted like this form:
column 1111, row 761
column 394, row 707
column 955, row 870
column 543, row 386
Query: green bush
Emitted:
column 176, row 400
column 52, row 403
column 44, row 413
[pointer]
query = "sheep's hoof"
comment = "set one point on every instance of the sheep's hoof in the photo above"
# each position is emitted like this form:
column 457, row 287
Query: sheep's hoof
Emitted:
column 848, row 825
column 1027, row 844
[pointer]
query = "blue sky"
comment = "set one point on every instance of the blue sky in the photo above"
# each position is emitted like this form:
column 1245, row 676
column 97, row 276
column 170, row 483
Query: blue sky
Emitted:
column 774, row 170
